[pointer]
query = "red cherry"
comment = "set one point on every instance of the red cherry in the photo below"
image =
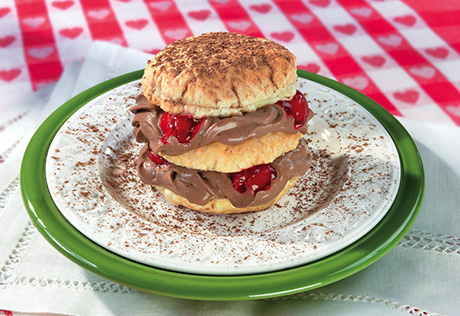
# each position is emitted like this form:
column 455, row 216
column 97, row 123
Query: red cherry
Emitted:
column 256, row 178
column 297, row 108
column 238, row 181
column 157, row 158
column 260, row 178
column 183, row 127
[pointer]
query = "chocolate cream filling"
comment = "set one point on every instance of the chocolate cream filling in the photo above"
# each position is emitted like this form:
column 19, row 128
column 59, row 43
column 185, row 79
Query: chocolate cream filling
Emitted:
column 200, row 187
column 230, row 130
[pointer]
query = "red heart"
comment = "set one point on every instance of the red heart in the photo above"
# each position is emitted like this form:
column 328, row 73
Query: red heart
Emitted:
column 200, row 15
column 346, row 29
column 137, row 24
column 408, row 96
column 63, row 5
column 6, row 41
column 4, row 11
column 283, row 36
column 261, row 8
column 439, row 52
column 71, row 32
column 320, row 3
column 310, row 67
column 9, row 75
column 408, row 20
column 376, row 61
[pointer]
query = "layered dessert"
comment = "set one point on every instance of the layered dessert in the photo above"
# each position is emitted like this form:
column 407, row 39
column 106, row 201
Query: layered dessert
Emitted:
column 222, row 122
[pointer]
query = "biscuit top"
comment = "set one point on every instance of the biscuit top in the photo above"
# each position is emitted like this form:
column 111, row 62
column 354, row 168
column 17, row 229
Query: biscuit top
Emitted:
column 220, row 74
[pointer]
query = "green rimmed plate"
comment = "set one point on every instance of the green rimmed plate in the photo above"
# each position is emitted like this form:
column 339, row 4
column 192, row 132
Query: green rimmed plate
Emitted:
column 355, row 257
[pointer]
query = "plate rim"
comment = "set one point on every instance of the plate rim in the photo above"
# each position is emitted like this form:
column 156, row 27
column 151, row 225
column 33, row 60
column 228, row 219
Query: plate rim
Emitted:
column 82, row 251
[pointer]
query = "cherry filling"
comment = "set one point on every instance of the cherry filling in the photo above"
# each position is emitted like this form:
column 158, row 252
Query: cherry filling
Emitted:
column 256, row 178
column 297, row 108
column 157, row 159
column 183, row 127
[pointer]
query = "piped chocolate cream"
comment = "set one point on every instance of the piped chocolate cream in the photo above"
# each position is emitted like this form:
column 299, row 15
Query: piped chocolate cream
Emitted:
column 200, row 187
column 232, row 130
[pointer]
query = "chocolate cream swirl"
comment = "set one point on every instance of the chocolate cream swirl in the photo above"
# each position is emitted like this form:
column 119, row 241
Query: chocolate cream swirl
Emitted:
column 200, row 187
column 230, row 130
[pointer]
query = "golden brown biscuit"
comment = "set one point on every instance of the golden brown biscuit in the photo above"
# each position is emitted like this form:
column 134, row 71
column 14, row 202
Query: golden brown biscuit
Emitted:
column 220, row 74
column 227, row 158
column 222, row 206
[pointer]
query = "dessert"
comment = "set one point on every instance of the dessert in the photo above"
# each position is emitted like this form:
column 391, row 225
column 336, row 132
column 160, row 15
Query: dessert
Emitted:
column 222, row 122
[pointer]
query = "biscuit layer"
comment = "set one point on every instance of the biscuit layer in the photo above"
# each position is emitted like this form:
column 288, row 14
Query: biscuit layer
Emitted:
column 227, row 158
column 220, row 74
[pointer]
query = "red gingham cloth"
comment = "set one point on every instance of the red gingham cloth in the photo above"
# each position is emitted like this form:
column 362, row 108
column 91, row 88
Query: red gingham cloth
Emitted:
column 402, row 54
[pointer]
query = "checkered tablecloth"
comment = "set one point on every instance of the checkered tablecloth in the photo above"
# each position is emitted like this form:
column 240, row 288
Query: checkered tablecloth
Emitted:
column 402, row 54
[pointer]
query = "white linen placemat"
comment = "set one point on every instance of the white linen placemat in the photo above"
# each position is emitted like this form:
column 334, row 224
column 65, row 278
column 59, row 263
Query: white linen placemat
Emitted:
column 420, row 276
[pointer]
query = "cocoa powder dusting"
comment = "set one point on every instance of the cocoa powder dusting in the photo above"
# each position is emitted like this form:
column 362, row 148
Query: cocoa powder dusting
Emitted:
column 215, row 53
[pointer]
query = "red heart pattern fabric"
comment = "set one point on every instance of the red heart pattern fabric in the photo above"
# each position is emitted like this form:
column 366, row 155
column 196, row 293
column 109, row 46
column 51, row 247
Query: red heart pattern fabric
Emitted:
column 402, row 57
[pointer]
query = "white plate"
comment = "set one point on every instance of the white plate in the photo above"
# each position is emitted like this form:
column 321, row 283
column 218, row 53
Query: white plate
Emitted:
column 350, row 186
